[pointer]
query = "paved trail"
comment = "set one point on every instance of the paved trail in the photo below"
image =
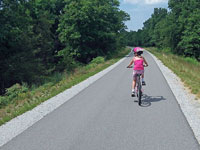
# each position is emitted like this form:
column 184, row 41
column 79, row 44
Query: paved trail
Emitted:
column 105, row 117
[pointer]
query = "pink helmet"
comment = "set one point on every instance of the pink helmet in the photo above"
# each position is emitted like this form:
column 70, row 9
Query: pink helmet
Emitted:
column 138, row 49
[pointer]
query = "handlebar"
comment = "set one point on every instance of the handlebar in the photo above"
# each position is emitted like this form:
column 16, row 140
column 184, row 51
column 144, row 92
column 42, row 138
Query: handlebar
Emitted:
column 129, row 67
column 132, row 66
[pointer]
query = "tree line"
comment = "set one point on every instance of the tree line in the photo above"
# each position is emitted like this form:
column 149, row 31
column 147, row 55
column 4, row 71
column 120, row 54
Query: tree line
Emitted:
column 40, row 37
column 177, row 30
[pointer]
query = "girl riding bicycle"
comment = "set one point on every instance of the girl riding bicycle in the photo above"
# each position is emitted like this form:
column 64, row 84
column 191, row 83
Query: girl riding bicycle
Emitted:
column 139, row 63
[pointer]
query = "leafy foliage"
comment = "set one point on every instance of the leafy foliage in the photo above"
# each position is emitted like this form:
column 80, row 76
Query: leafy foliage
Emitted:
column 91, row 28
column 41, row 37
column 178, row 29
column 12, row 93
column 98, row 60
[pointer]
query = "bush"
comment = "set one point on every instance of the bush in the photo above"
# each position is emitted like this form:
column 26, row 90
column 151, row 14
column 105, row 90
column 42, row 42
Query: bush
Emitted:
column 67, row 62
column 3, row 101
column 167, row 50
column 14, row 90
column 191, row 60
column 89, row 66
column 54, row 78
column 12, row 93
column 98, row 60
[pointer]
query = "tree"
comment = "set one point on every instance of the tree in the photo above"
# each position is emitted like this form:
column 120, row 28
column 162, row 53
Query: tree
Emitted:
column 28, row 33
column 16, row 57
column 90, row 28
column 177, row 29
column 190, row 40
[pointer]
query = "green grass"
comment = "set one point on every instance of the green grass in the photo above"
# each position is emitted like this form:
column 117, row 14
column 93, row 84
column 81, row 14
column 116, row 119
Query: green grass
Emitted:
column 188, row 69
column 20, row 98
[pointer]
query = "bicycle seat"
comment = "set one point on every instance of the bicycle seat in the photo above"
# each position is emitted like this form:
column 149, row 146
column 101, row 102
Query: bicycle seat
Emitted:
column 138, row 74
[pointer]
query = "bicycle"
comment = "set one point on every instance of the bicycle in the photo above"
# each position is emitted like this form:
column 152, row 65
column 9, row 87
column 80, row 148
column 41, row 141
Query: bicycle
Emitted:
column 139, row 89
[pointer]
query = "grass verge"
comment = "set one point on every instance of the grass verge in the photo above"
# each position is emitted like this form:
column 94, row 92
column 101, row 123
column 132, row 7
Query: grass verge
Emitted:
column 188, row 69
column 22, row 99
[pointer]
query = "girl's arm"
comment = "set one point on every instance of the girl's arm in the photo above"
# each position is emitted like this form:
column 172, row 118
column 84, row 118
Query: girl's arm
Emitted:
column 130, row 63
column 145, row 62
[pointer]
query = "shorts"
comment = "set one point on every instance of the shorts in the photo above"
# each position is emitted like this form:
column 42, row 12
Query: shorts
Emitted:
column 135, row 72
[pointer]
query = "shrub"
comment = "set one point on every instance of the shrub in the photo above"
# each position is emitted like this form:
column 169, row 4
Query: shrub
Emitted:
column 3, row 101
column 98, row 60
column 191, row 60
column 89, row 66
column 54, row 78
column 12, row 92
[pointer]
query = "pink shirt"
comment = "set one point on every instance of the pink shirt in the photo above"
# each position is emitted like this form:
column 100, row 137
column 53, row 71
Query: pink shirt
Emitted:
column 138, row 64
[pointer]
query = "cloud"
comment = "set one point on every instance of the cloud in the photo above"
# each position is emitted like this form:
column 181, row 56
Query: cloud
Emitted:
column 154, row 1
column 144, row 1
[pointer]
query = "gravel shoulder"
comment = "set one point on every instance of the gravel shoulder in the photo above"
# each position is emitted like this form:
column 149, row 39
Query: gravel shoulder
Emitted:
column 189, row 106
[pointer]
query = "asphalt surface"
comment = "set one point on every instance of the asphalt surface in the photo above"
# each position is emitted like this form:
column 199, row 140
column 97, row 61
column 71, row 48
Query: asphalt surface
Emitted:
column 104, row 116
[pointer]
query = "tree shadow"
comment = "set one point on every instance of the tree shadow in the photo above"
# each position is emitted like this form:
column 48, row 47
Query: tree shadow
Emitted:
column 147, row 100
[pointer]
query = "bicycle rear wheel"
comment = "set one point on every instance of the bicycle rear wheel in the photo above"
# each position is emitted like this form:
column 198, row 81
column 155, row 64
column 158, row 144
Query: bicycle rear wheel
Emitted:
column 139, row 91
column 139, row 97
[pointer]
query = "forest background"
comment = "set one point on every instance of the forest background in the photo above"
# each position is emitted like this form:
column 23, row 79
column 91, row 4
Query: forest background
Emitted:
column 175, row 30
column 39, row 38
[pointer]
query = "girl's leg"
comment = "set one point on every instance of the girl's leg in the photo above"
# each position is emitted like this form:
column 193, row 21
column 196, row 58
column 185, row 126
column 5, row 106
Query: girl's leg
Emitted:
column 143, row 82
column 143, row 76
column 134, row 80
column 133, row 88
column 133, row 85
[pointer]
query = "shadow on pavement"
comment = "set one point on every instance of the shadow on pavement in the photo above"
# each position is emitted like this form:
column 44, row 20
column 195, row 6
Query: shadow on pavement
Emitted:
column 147, row 100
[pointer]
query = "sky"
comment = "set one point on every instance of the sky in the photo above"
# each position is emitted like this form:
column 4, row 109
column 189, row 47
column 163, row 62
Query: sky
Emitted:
column 140, row 11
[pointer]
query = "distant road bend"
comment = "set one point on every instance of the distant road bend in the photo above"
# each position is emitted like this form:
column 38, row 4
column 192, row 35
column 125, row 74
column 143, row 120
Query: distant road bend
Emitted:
column 104, row 116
